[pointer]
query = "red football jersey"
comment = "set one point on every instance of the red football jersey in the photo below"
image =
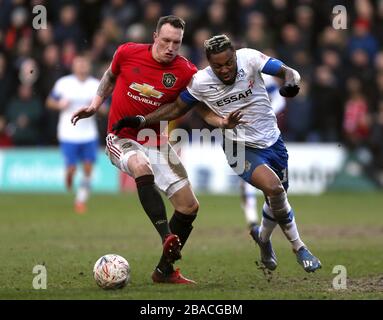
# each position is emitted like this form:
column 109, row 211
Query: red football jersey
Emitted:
column 143, row 84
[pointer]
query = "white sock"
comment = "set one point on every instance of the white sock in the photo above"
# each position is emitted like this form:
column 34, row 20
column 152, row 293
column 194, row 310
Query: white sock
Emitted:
column 249, row 203
column 83, row 191
column 281, row 208
column 290, row 230
column 267, row 226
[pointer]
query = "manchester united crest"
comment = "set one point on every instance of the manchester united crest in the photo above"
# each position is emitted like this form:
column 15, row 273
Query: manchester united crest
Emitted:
column 169, row 80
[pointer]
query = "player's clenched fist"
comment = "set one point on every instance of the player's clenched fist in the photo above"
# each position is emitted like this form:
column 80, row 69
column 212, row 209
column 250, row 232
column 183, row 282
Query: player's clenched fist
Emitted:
column 289, row 91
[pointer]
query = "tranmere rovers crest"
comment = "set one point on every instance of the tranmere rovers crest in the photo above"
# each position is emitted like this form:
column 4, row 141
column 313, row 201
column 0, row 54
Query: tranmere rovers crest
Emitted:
column 168, row 80
column 247, row 165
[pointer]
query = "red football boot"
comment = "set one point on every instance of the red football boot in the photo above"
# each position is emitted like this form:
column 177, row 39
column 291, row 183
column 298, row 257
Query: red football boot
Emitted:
column 175, row 277
column 172, row 247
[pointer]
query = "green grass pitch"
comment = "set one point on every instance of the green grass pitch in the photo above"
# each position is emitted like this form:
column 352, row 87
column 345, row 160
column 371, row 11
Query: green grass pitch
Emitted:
column 340, row 228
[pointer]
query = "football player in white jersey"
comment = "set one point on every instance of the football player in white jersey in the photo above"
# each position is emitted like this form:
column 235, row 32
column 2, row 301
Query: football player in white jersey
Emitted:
column 233, row 91
column 248, row 192
column 80, row 143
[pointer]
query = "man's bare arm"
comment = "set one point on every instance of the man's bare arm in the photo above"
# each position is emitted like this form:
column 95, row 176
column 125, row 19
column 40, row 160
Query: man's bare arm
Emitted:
column 291, row 78
column 168, row 112
column 107, row 83
column 56, row 105
column 289, row 75
column 228, row 122
column 173, row 111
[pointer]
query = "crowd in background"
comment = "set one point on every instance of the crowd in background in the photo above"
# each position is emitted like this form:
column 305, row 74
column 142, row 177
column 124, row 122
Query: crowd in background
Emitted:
column 341, row 96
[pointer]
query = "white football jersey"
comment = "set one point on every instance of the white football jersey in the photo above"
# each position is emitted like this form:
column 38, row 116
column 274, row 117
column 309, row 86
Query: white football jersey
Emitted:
column 278, row 103
column 80, row 94
column 248, row 93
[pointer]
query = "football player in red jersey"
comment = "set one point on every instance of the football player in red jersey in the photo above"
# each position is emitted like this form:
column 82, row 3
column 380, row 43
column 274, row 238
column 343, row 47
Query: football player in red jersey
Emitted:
column 141, row 78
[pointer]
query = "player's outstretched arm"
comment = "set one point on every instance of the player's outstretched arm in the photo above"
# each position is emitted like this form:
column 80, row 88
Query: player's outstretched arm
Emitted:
column 229, row 122
column 105, row 89
column 166, row 112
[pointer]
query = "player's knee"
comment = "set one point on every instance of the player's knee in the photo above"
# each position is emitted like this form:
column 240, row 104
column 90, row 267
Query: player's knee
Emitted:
column 139, row 166
column 280, row 206
column 71, row 170
column 194, row 207
column 142, row 170
column 273, row 189
column 88, row 167
column 190, row 207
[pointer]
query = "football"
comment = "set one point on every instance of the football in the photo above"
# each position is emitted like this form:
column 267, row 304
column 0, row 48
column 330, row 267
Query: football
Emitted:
column 111, row 271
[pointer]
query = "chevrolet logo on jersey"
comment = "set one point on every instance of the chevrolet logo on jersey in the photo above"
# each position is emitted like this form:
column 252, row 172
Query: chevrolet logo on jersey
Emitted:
column 146, row 90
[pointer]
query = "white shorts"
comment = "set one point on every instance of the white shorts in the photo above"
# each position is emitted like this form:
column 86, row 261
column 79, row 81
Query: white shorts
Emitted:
column 169, row 173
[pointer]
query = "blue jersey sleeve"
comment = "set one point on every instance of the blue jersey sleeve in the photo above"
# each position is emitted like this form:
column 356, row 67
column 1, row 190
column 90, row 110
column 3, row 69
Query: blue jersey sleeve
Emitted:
column 272, row 66
column 55, row 95
column 270, row 89
column 188, row 98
